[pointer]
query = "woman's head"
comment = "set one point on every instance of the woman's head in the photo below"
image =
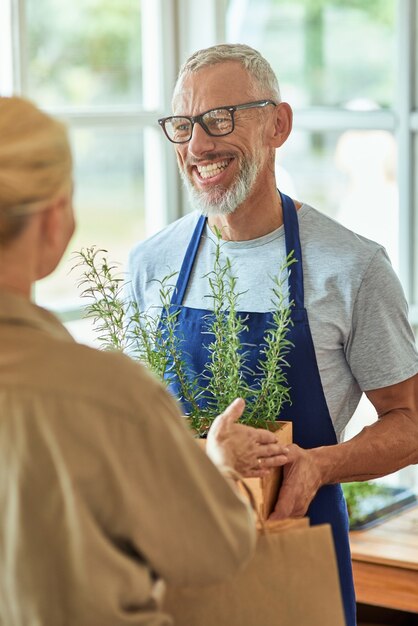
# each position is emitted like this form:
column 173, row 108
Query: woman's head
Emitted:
column 35, row 163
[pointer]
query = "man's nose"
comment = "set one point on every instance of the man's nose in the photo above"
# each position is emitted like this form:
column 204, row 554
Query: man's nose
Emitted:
column 200, row 141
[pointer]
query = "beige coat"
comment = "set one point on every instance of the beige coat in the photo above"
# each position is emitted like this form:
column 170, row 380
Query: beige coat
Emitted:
column 102, row 490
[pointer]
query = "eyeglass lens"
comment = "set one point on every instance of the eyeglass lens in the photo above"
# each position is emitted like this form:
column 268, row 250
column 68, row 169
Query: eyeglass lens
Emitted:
column 216, row 122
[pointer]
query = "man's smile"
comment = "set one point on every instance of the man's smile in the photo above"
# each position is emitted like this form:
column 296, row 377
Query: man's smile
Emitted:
column 212, row 169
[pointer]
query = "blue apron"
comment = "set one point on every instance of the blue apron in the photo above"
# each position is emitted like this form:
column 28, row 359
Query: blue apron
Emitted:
column 312, row 425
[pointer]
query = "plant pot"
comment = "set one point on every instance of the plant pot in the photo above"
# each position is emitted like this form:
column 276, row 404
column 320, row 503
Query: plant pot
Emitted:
column 266, row 489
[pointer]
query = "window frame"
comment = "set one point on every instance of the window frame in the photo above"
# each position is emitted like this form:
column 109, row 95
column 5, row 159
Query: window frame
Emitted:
column 13, row 80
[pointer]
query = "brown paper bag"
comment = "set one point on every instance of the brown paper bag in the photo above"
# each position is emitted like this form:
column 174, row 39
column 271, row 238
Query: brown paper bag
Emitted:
column 292, row 580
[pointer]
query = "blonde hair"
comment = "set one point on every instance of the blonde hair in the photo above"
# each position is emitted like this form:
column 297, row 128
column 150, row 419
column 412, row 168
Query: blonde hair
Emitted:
column 35, row 162
column 257, row 66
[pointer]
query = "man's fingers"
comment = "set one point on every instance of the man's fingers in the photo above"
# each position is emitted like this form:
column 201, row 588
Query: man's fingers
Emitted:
column 272, row 449
column 278, row 514
column 274, row 461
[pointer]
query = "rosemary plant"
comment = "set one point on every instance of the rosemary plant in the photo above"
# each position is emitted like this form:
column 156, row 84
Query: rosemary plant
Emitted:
column 356, row 495
column 153, row 339
column 227, row 369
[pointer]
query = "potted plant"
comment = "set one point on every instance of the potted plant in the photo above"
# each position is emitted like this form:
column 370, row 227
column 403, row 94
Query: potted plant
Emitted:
column 370, row 502
column 120, row 325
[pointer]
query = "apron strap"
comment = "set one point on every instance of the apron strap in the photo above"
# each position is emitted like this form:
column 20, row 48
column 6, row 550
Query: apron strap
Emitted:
column 188, row 260
column 291, row 233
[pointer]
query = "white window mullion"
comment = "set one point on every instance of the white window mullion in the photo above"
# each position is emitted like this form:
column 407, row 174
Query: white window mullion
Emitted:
column 107, row 116
column 326, row 119
column 12, row 47
column 404, row 106
column 414, row 121
column 7, row 86
column 161, row 185
column 19, row 35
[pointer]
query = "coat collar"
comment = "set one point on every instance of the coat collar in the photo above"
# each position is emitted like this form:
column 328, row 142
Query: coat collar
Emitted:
column 17, row 310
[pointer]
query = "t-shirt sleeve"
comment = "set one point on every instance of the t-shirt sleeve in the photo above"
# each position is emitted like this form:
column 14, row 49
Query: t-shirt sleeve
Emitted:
column 381, row 347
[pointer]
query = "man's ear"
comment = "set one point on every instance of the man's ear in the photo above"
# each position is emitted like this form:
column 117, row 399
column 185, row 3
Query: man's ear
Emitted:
column 283, row 120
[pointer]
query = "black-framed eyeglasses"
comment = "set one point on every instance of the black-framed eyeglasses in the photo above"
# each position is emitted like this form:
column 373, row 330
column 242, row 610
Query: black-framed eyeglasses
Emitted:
column 215, row 122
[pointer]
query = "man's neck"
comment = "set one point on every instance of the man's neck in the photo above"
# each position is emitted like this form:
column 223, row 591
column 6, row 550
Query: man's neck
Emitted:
column 253, row 219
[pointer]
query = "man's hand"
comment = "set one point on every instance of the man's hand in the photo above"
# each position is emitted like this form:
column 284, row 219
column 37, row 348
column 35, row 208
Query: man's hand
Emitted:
column 301, row 481
column 250, row 451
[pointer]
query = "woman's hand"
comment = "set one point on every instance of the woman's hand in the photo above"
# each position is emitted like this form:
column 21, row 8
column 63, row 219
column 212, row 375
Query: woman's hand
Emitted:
column 250, row 451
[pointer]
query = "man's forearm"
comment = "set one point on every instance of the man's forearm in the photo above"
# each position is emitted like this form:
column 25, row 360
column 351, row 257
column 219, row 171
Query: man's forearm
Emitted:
column 384, row 447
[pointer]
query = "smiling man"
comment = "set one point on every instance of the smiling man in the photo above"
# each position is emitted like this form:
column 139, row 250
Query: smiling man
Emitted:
column 350, row 330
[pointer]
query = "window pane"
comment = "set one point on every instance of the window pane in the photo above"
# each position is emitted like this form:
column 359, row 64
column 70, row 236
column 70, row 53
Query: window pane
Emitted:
column 109, row 204
column 83, row 331
column 318, row 49
column 84, row 51
column 350, row 176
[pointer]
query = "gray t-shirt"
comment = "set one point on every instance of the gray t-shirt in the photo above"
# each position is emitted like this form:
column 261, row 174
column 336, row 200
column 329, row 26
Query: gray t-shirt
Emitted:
column 356, row 307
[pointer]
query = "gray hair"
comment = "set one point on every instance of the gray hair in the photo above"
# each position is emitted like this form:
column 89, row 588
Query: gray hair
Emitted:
column 256, row 65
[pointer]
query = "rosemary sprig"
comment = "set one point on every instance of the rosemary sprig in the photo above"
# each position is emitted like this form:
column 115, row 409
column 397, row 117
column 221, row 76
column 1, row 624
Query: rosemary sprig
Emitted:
column 273, row 390
column 99, row 285
column 226, row 363
column 170, row 346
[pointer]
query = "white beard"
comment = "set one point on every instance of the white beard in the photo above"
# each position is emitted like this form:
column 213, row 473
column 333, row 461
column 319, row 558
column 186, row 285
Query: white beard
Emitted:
column 221, row 201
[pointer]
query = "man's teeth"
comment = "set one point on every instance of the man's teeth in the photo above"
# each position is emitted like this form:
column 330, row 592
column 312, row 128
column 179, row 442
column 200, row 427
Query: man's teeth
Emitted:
column 207, row 171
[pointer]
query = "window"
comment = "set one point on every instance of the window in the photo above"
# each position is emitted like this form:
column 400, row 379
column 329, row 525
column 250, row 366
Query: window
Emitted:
column 353, row 151
column 103, row 67
column 317, row 49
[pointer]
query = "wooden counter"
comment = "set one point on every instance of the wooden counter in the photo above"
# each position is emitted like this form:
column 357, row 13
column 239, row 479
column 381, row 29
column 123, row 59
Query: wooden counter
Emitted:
column 385, row 563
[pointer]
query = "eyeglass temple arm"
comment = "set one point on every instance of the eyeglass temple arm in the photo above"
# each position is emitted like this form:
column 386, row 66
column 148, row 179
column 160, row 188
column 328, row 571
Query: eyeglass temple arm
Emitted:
column 251, row 105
